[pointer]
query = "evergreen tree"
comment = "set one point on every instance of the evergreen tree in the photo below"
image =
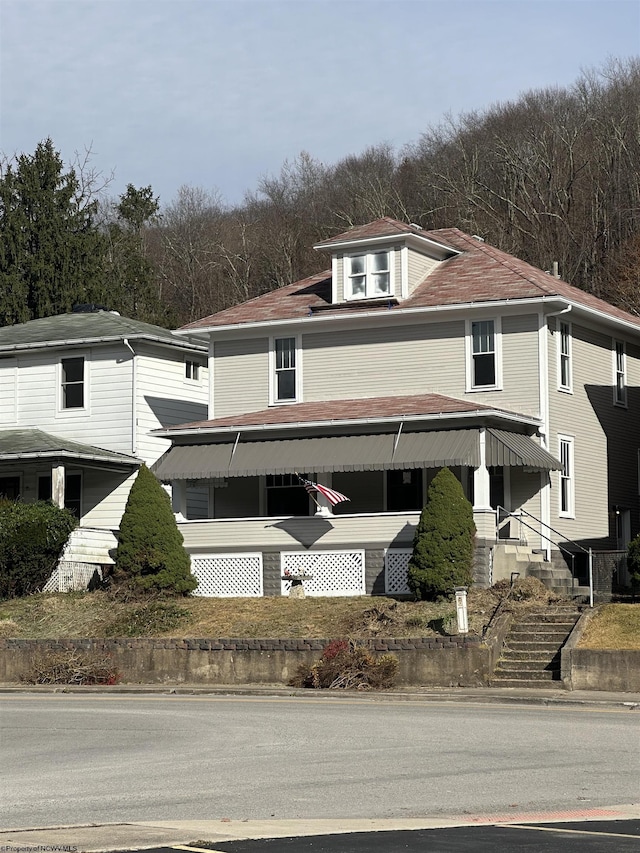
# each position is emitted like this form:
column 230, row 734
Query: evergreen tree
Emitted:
column 633, row 564
column 443, row 544
column 51, row 251
column 150, row 554
column 130, row 273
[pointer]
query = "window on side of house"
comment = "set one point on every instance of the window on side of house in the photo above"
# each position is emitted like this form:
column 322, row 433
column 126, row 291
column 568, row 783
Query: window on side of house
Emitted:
column 567, row 484
column 565, row 380
column 620, row 374
column 368, row 276
column 192, row 370
column 72, row 389
column 483, row 342
column 285, row 378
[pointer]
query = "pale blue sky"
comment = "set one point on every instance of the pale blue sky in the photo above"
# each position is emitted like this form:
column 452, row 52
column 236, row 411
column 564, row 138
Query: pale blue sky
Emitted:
column 216, row 93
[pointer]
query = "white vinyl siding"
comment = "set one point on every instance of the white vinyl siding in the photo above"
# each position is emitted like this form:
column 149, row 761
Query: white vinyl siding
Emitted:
column 165, row 398
column 241, row 376
column 419, row 267
column 583, row 413
column 8, row 382
column 106, row 422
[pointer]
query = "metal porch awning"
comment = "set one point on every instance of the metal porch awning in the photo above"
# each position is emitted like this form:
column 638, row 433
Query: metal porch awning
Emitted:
column 350, row 453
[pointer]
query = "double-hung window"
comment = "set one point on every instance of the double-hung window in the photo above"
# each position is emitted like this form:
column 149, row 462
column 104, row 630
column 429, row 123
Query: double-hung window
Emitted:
column 368, row 276
column 285, row 372
column 620, row 374
column 483, row 342
column 72, row 390
column 566, row 498
column 565, row 381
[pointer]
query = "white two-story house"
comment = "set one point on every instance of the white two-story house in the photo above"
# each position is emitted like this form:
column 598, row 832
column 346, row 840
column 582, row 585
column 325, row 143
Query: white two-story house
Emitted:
column 79, row 395
column 414, row 350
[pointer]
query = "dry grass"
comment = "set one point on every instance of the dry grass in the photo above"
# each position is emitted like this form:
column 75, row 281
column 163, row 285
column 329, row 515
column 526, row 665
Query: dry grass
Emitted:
column 100, row 614
column 614, row 626
column 97, row 614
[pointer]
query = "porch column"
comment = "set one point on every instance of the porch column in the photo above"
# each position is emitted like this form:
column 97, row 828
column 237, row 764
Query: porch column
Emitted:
column 179, row 497
column 483, row 513
column 57, row 485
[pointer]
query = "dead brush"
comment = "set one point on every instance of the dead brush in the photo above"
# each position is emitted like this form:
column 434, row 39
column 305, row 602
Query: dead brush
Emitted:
column 71, row 667
column 346, row 666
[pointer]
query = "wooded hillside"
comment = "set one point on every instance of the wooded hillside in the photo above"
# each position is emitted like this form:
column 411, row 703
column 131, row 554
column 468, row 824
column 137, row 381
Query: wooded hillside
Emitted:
column 551, row 177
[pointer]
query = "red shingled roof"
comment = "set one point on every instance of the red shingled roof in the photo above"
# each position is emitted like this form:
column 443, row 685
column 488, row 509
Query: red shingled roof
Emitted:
column 481, row 273
column 375, row 408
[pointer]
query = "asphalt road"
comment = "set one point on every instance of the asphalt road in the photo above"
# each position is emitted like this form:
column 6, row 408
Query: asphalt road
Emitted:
column 605, row 837
column 70, row 759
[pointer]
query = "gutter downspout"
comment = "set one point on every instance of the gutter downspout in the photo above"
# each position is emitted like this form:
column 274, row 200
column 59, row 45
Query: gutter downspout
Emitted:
column 134, row 396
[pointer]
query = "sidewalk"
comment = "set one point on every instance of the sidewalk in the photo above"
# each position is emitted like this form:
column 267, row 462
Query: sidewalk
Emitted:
column 141, row 834
column 488, row 695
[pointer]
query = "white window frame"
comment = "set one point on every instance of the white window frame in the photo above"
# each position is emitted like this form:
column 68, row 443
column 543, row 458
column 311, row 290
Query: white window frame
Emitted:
column 76, row 410
column 368, row 274
column 497, row 354
column 566, row 477
column 193, row 370
column 565, row 356
column 274, row 400
column 619, row 354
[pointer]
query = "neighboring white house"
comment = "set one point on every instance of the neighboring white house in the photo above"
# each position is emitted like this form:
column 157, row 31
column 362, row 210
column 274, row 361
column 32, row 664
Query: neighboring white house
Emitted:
column 415, row 350
column 79, row 395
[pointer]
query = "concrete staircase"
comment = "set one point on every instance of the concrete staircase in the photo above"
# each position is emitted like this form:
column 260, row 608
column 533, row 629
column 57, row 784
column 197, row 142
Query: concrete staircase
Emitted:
column 86, row 553
column 531, row 653
column 555, row 575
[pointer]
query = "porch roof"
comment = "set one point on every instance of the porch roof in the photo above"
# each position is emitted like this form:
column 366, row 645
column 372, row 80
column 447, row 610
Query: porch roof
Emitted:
column 429, row 449
column 19, row 445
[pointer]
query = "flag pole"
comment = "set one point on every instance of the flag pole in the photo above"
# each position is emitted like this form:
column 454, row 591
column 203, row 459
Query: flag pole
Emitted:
column 309, row 493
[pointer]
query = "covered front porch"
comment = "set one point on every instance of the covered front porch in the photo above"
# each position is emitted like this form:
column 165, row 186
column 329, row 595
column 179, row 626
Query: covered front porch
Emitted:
column 261, row 525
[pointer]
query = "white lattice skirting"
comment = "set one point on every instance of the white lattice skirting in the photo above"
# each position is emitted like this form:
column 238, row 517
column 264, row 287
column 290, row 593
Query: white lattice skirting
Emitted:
column 396, row 564
column 331, row 572
column 71, row 575
column 228, row 575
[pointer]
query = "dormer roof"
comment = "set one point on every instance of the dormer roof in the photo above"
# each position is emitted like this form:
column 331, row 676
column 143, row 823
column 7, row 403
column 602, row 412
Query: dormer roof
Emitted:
column 386, row 230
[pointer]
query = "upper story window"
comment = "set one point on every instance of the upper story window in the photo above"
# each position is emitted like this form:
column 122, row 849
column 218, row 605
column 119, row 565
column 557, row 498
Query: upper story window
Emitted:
column 192, row 370
column 483, row 347
column 72, row 390
column 285, row 377
column 620, row 374
column 565, row 381
column 368, row 276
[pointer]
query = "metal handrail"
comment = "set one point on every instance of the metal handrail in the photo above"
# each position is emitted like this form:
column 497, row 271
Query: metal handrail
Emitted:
column 517, row 514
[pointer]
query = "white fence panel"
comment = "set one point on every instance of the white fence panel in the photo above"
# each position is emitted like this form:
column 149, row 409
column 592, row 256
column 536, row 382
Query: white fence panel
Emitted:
column 228, row 575
column 330, row 572
column 396, row 563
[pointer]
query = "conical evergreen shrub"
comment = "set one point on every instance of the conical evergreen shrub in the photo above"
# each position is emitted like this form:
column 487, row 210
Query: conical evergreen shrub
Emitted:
column 443, row 544
column 150, row 554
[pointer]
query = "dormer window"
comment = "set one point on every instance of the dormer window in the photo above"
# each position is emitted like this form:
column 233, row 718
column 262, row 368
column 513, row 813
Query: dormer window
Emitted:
column 368, row 276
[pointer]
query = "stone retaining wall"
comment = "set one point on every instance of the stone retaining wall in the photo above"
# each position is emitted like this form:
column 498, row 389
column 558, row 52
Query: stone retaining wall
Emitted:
column 425, row 661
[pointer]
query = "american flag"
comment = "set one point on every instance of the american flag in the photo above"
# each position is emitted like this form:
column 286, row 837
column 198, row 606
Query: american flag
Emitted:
column 330, row 494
